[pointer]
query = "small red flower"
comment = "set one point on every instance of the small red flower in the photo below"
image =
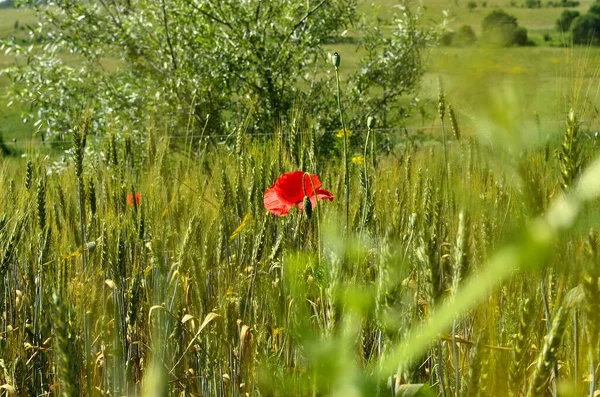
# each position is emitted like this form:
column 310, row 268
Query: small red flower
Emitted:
column 288, row 192
column 138, row 199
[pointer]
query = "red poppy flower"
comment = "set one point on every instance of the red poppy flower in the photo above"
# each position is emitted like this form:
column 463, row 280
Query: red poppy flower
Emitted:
column 288, row 192
column 138, row 199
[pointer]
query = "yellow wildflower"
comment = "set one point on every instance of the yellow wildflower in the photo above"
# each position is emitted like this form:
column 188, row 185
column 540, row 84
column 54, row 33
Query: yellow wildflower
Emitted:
column 340, row 133
column 358, row 160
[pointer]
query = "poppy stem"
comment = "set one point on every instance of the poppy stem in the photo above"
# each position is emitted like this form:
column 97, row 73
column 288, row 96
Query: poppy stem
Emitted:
column 312, row 183
column 306, row 174
column 366, row 203
column 346, row 174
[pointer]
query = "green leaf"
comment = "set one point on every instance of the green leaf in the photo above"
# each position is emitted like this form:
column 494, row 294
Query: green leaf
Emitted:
column 416, row 390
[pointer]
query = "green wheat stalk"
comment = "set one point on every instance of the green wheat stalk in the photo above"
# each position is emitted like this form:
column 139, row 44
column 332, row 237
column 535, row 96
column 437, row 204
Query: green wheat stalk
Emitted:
column 548, row 357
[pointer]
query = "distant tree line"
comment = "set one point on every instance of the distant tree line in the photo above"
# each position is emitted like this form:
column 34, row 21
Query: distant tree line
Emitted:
column 584, row 28
column 555, row 4
column 7, row 4
column 497, row 29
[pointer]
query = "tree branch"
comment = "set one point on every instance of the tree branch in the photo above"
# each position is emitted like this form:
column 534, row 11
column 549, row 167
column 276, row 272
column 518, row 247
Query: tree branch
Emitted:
column 315, row 8
column 166, row 23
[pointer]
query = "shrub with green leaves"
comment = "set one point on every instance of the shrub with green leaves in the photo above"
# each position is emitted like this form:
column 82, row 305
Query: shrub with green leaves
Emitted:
column 447, row 37
column 585, row 29
column 594, row 9
column 206, row 64
column 502, row 29
column 465, row 36
column 563, row 24
column 392, row 66
column 533, row 3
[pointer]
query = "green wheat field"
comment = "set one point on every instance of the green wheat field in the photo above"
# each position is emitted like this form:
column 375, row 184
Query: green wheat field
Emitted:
column 460, row 255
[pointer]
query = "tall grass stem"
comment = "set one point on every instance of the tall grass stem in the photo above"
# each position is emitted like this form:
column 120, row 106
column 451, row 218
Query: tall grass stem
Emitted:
column 346, row 170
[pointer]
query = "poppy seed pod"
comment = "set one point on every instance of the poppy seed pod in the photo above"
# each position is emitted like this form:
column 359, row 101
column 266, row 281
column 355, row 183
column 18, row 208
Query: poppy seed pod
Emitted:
column 335, row 59
column 370, row 122
column 307, row 206
column 90, row 246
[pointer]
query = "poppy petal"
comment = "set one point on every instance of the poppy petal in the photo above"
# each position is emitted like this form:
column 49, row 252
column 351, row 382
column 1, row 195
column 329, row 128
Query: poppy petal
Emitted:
column 289, row 186
column 289, row 191
column 276, row 204
column 138, row 199
column 309, row 186
column 322, row 194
